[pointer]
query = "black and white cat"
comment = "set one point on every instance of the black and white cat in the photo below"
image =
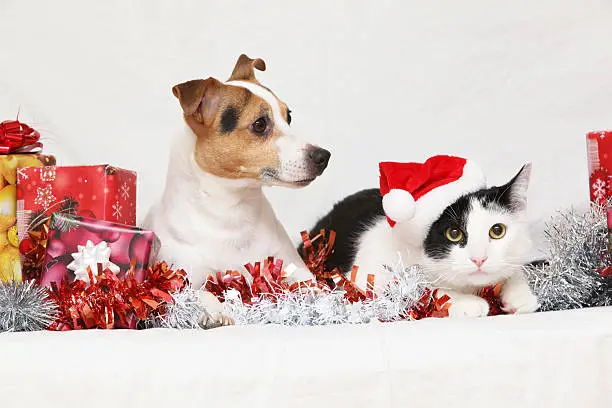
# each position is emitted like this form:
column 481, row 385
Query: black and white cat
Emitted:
column 480, row 239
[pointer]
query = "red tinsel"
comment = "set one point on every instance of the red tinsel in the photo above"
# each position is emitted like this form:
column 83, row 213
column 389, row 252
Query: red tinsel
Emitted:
column 491, row 295
column 110, row 302
column 430, row 305
column 268, row 281
column 17, row 137
column 315, row 252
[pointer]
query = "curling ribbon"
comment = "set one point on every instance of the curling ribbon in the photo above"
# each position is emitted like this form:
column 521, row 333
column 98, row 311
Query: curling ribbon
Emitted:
column 17, row 137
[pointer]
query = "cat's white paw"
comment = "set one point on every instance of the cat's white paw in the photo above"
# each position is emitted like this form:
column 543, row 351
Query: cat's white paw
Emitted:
column 213, row 316
column 468, row 306
column 519, row 301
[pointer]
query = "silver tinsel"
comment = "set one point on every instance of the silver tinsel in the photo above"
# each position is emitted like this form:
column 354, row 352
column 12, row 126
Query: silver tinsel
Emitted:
column 184, row 313
column 578, row 249
column 291, row 309
column 401, row 294
column 323, row 308
column 24, row 306
column 305, row 308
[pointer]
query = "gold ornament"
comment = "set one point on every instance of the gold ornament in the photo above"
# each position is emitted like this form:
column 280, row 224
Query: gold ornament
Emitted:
column 13, row 237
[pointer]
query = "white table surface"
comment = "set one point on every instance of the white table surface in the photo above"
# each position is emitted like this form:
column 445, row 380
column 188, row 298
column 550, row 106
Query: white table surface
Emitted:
column 558, row 359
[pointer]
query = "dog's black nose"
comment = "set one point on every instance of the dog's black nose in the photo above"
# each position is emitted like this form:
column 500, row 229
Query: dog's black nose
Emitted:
column 320, row 158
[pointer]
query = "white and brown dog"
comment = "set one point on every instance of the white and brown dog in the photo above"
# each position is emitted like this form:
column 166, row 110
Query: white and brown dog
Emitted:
column 213, row 214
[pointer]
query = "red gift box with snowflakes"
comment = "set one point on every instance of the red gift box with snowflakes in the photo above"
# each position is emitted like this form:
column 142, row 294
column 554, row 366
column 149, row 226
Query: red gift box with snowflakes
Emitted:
column 103, row 192
column 599, row 148
column 75, row 243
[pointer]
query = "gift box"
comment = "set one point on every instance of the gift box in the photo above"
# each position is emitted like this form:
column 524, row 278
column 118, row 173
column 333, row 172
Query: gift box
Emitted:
column 103, row 192
column 75, row 243
column 599, row 148
column 10, row 263
column 19, row 148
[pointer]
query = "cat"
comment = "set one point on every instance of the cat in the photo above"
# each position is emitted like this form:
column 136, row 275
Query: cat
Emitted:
column 479, row 240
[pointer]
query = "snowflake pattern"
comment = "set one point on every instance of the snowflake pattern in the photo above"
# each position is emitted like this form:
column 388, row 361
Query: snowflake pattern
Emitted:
column 47, row 174
column 44, row 196
column 117, row 210
column 599, row 189
column 125, row 191
column 22, row 174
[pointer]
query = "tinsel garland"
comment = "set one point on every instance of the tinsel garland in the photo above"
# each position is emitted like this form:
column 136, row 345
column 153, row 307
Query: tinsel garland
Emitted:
column 331, row 299
column 25, row 306
column 578, row 273
column 184, row 312
column 575, row 274
column 316, row 250
column 406, row 297
column 271, row 299
column 268, row 280
column 108, row 301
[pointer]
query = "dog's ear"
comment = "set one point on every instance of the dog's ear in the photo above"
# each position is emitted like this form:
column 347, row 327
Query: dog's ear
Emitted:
column 245, row 68
column 199, row 98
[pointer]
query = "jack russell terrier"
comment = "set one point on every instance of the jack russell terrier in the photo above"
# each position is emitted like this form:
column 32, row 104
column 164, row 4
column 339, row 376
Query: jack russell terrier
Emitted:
column 213, row 215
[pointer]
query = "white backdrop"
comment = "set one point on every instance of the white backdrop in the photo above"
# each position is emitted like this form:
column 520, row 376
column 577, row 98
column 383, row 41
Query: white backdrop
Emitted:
column 371, row 81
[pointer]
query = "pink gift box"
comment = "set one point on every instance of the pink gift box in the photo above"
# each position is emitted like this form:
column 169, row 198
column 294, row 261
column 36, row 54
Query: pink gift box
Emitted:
column 75, row 242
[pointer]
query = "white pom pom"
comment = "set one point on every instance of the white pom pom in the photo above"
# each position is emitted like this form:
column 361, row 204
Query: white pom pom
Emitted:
column 399, row 205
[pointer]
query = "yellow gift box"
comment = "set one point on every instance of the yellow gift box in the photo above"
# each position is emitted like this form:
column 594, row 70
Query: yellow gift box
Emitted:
column 10, row 262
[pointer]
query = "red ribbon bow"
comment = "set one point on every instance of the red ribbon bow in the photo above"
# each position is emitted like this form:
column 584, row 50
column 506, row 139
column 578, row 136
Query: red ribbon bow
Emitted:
column 17, row 137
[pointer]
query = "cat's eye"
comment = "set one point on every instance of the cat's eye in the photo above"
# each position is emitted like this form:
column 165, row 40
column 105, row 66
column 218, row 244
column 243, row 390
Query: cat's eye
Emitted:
column 497, row 231
column 454, row 234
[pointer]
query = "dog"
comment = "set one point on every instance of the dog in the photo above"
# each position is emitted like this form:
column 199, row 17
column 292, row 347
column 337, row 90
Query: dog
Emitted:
column 213, row 215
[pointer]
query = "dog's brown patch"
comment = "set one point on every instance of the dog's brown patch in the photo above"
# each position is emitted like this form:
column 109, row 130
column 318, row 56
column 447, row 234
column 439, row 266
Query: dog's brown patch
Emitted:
column 244, row 70
column 226, row 146
column 239, row 153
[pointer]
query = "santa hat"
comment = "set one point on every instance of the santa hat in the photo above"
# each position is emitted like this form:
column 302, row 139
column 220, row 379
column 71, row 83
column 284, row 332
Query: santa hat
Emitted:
column 419, row 192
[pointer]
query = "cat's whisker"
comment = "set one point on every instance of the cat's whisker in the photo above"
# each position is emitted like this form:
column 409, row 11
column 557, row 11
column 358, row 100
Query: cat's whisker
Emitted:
column 449, row 275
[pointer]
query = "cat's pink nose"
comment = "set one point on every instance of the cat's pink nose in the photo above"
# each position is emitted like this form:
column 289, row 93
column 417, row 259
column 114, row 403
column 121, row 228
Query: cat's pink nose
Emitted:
column 479, row 261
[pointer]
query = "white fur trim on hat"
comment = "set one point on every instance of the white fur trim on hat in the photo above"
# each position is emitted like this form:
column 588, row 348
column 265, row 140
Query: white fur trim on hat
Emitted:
column 399, row 205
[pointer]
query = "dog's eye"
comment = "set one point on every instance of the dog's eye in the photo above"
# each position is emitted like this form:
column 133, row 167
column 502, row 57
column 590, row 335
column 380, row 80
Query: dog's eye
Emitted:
column 260, row 126
column 288, row 116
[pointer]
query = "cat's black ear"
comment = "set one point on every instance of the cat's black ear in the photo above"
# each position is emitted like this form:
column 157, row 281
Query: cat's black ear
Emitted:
column 515, row 191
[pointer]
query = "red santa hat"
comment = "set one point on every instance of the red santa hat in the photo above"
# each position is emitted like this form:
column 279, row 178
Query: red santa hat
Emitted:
column 419, row 192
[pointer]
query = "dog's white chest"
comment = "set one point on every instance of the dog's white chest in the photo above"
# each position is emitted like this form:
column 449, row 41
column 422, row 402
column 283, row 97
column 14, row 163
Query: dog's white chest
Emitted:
column 208, row 224
column 203, row 242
